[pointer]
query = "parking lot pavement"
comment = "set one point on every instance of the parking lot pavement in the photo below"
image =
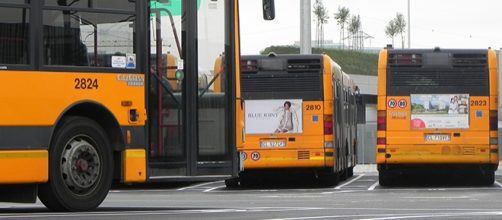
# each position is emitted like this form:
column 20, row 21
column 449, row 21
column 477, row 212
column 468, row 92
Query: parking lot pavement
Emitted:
column 359, row 197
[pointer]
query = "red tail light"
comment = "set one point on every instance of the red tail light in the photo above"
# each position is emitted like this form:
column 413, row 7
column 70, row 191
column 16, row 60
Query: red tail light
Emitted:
column 328, row 124
column 381, row 141
column 494, row 120
column 381, row 120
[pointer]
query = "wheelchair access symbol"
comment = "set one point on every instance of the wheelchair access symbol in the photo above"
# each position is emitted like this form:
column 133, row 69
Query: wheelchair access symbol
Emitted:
column 392, row 103
column 255, row 156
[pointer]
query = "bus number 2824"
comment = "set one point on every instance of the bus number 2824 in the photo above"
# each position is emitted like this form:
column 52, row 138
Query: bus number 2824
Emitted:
column 86, row 83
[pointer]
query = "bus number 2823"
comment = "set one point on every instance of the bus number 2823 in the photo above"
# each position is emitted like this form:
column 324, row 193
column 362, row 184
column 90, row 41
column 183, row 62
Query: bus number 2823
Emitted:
column 86, row 83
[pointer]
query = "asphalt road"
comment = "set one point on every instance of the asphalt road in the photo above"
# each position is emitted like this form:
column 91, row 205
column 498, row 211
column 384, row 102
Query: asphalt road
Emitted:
column 359, row 197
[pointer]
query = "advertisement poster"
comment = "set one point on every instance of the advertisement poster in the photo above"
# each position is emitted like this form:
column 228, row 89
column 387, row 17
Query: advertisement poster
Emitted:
column 273, row 116
column 439, row 111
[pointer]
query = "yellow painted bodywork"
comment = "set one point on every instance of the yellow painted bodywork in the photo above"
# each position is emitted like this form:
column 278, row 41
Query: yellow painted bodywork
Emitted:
column 24, row 166
column 134, row 165
column 286, row 158
column 405, row 145
column 39, row 98
column 311, row 140
column 36, row 98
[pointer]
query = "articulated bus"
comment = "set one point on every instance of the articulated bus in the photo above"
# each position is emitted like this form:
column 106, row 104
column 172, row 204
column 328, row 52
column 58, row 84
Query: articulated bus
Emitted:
column 299, row 113
column 96, row 92
column 437, row 111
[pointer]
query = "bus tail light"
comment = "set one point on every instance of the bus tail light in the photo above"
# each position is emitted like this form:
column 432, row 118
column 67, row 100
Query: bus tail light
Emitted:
column 381, row 141
column 381, row 120
column 328, row 124
column 493, row 120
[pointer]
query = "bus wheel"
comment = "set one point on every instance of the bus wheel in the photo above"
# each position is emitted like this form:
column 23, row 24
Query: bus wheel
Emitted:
column 232, row 183
column 385, row 178
column 350, row 172
column 488, row 177
column 80, row 167
column 328, row 178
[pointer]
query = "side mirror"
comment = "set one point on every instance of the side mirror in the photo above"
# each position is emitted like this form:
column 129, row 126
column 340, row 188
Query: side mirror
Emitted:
column 268, row 10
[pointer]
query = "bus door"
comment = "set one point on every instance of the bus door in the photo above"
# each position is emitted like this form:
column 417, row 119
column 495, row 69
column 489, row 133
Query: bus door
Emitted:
column 190, row 122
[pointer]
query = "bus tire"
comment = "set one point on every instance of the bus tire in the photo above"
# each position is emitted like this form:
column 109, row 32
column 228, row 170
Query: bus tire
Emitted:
column 232, row 183
column 385, row 178
column 488, row 177
column 80, row 167
column 350, row 172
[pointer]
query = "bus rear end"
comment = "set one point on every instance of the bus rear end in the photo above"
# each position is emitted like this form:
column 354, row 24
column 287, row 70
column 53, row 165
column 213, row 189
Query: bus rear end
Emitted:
column 287, row 122
column 437, row 109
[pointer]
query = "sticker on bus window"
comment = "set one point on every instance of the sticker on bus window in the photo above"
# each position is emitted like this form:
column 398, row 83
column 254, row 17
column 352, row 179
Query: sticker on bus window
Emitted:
column 119, row 61
column 274, row 116
column 430, row 111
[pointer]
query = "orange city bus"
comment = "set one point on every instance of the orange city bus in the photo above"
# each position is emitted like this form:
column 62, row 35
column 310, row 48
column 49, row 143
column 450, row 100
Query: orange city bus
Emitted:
column 88, row 99
column 299, row 113
column 437, row 110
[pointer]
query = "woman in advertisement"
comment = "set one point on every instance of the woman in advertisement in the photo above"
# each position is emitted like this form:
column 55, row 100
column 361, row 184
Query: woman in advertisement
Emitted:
column 453, row 107
column 286, row 121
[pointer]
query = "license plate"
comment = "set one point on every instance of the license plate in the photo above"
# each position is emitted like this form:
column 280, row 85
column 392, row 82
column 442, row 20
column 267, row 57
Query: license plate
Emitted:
column 273, row 144
column 437, row 137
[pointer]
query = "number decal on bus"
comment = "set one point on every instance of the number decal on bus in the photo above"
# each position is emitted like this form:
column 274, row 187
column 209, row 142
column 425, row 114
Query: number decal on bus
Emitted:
column 313, row 107
column 479, row 102
column 86, row 83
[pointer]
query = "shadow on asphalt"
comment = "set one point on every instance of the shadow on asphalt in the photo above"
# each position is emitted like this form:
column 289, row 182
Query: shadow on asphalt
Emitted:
column 439, row 179
column 281, row 180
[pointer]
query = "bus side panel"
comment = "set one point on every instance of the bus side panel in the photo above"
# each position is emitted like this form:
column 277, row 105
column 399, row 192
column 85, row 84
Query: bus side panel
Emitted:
column 26, row 166
column 381, row 102
column 36, row 100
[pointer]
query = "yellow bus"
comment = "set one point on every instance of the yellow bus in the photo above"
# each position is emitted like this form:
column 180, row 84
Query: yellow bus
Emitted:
column 437, row 110
column 89, row 97
column 299, row 114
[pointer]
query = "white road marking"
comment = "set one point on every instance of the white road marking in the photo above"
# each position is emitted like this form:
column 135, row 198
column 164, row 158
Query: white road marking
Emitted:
column 198, row 185
column 211, row 189
column 372, row 187
column 498, row 183
column 349, row 182
column 395, row 216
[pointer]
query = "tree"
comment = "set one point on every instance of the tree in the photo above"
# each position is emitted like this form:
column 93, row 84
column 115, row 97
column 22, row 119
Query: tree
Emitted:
column 400, row 26
column 341, row 18
column 391, row 30
column 354, row 29
column 321, row 16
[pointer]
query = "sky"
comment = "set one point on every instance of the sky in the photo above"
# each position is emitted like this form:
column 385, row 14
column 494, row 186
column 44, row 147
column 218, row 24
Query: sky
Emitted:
column 443, row 23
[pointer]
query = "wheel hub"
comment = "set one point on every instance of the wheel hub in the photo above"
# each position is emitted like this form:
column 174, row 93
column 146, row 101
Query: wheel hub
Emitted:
column 80, row 165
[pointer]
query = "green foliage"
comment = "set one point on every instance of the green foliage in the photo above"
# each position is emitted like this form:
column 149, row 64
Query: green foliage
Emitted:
column 352, row 62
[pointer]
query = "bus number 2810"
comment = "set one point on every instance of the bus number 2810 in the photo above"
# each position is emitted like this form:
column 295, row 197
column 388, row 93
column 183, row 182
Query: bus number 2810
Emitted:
column 313, row 107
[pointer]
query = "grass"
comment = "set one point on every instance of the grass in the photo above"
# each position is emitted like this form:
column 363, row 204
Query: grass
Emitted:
column 352, row 62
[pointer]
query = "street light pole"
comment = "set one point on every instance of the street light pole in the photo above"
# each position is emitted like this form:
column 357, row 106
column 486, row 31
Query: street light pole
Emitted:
column 305, row 27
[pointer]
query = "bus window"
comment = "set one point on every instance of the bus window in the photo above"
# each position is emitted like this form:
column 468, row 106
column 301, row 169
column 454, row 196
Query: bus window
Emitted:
column 15, row 35
column 74, row 38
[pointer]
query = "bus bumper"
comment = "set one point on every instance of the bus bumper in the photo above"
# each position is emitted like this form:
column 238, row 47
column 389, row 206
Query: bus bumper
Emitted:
column 445, row 154
column 285, row 158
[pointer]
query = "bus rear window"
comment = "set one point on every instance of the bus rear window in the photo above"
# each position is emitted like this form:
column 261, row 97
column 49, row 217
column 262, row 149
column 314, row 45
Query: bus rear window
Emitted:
column 445, row 73
column 281, row 77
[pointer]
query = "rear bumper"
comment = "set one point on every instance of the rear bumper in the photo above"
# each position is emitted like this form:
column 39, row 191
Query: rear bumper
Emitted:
column 438, row 154
column 286, row 158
